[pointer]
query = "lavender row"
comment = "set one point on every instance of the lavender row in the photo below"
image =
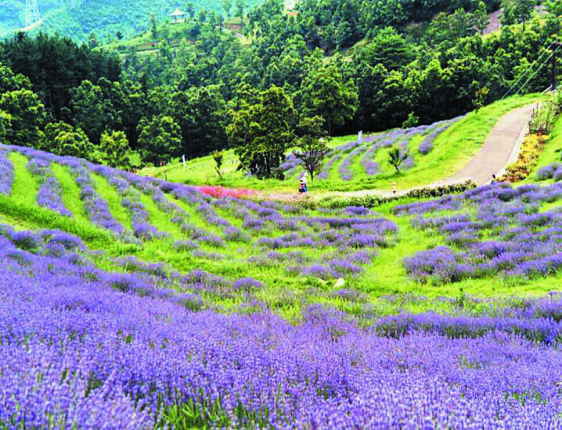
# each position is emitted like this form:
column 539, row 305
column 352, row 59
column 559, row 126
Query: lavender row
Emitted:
column 544, row 330
column 404, row 143
column 290, row 164
column 96, row 207
column 6, row 173
column 426, row 146
column 50, row 189
column 385, row 141
column 81, row 354
column 131, row 200
column 325, row 172
column 344, row 169
column 261, row 221
column 552, row 171
column 500, row 231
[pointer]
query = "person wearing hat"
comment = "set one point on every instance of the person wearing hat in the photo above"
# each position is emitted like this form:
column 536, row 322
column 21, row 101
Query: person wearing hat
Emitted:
column 302, row 185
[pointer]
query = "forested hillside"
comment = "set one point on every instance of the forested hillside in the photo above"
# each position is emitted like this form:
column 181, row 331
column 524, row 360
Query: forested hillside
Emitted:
column 198, row 89
column 107, row 18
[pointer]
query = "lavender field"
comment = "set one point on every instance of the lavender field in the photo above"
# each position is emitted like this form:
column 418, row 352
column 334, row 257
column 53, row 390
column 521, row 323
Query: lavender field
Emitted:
column 365, row 158
column 132, row 302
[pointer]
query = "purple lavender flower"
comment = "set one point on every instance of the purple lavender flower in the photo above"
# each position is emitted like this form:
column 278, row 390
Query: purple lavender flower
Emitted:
column 427, row 144
column 522, row 241
column 344, row 169
column 6, row 174
column 96, row 207
column 50, row 189
column 76, row 350
column 552, row 171
column 247, row 284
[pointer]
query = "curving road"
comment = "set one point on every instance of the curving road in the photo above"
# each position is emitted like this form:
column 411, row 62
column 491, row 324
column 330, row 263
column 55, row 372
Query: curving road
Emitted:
column 499, row 150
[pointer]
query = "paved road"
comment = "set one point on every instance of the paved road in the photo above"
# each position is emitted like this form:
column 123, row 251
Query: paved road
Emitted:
column 500, row 149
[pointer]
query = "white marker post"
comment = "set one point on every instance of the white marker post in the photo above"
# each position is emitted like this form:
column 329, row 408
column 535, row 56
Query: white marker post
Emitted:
column 360, row 137
column 183, row 160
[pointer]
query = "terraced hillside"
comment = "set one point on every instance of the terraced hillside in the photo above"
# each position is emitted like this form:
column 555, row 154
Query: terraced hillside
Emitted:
column 365, row 156
column 270, row 250
column 118, row 291
column 436, row 152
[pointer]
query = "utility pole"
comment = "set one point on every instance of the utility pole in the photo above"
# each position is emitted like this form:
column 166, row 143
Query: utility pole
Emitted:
column 557, row 47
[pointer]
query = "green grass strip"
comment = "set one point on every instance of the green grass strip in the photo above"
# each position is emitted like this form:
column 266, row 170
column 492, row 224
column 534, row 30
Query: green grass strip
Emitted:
column 70, row 192
column 25, row 186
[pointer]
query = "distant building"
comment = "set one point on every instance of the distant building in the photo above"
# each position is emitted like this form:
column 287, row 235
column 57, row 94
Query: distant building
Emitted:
column 178, row 15
column 234, row 26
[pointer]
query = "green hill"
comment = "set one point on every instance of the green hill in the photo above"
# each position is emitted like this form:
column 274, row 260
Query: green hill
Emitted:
column 79, row 18
column 436, row 152
column 295, row 255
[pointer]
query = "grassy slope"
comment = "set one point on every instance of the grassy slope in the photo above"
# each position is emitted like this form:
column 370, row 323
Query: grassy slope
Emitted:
column 452, row 150
column 285, row 293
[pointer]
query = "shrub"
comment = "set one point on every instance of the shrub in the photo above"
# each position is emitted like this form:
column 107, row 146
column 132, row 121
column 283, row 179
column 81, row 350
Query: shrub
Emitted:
column 374, row 201
column 527, row 160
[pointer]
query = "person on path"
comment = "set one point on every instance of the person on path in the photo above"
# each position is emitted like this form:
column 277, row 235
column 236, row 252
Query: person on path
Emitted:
column 303, row 188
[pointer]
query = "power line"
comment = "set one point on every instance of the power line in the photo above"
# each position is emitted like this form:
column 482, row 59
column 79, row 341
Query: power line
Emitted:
column 529, row 68
column 538, row 70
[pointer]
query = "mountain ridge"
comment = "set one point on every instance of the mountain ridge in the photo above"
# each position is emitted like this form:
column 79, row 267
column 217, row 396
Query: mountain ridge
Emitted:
column 79, row 18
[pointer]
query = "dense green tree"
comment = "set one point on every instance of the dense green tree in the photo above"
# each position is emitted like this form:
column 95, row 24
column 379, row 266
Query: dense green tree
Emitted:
column 289, row 66
column 450, row 27
column 240, row 8
column 159, row 138
column 64, row 139
column 261, row 132
column 389, row 49
column 226, row 6
column 51, row 131
column 554, row 7
column 153, row 26
column 131, row 104
column 114, row 150
column 55, row 65
column 9, row 81
column 432, row 69
column 91, row 111
column 5, row 125
column 27, row 117
column 517, row 11
column 326, row 93
column 201, row 114
column 370, row 82
column 312, row 147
